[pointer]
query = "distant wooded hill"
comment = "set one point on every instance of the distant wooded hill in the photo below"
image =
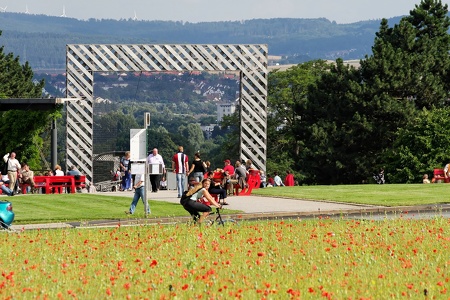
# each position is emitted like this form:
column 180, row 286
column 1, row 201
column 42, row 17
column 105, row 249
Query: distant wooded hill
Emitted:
column 41, row 40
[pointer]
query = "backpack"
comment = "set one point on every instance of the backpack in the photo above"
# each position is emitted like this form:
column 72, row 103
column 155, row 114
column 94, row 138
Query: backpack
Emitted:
column 184, row 198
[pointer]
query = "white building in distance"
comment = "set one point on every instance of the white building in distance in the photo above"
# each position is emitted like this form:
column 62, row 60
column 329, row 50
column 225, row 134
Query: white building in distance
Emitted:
column 225, row 109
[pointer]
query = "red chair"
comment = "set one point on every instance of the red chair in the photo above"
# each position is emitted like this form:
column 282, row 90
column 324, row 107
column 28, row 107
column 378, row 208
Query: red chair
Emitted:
column 253, row 182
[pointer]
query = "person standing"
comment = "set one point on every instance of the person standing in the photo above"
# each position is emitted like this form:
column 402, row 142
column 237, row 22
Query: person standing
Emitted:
column 198, row 168
column 155, row 158
column 180, row 168
column 13, row 167
column 139, row 192
column 125, row 167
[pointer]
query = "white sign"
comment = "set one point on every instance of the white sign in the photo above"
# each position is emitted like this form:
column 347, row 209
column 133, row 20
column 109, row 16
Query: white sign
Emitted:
column 155, row 169
column 138, row 144
column 138, row 168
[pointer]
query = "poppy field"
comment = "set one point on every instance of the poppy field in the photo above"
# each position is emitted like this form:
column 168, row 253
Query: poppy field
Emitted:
column 276, row 259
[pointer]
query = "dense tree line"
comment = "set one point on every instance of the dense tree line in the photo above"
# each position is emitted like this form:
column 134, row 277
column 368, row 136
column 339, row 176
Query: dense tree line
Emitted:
column 348, row 123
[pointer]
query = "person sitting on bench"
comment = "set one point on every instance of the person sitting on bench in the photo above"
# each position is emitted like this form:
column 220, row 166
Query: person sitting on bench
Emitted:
column 198, row 200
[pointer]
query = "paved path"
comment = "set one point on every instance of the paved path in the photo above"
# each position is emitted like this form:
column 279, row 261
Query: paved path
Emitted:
column 259, row 204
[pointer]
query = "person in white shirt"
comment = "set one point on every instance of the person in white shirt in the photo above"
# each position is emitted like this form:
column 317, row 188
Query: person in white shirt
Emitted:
column 277, row 179
column 13, row 166
column 58, row 171
column 152, row 159
column 139, row 191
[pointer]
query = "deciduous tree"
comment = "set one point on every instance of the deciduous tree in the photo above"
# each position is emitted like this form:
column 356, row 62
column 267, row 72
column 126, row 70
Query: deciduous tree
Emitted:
column 21, row 130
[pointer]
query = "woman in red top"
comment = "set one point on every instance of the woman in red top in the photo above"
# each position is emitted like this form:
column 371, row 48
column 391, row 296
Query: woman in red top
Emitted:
column 289, row 179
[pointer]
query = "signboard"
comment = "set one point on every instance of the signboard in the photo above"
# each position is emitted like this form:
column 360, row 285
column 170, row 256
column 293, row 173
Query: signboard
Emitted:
column 155, row 169
column 138, row 144
column 138, row 167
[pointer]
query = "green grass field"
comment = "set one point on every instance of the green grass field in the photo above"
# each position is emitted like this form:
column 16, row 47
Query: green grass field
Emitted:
column 83, row 207
column 372, row 194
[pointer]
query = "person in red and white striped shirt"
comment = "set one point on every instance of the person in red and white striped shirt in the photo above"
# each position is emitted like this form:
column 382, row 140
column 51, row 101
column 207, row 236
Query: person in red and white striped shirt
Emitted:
column 180, row 167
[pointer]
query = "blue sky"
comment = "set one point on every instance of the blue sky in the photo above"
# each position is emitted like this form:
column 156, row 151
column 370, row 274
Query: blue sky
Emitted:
column 341, row 11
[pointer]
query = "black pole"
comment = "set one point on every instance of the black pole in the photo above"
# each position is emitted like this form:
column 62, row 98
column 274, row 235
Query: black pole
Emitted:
column 54, row 152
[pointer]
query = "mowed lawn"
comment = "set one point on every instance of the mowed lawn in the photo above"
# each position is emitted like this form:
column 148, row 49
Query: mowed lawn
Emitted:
column 372, row 194
column 83, row 207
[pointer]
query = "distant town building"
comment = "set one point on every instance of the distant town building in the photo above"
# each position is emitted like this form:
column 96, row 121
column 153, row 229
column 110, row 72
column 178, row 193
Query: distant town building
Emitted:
column 225, row 109
column 208, row 130
column 101, row 100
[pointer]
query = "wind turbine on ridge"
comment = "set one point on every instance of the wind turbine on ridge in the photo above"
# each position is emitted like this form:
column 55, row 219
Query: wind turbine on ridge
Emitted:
column 26, row 9
column 3, row 9
column 64, row 12
column 135, row 16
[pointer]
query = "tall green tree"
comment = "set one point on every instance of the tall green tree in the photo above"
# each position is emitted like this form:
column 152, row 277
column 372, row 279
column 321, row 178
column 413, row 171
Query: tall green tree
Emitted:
column 336, row 127
column 112, row 131
column 159, row 137
column 194, row 136
column 410, row 61
column 356, row 113
column 288, row 99
column 420, row 147
column 22, row 130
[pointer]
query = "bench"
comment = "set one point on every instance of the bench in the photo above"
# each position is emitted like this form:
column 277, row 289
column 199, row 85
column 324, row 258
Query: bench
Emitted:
column 57, row 183
column 438, row 176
